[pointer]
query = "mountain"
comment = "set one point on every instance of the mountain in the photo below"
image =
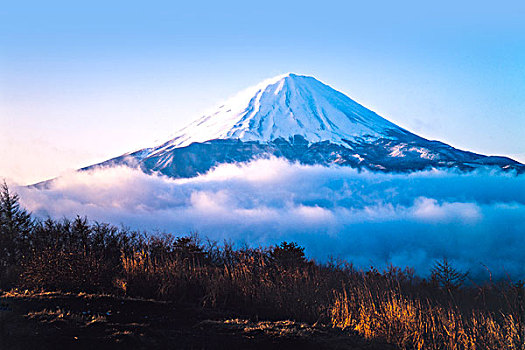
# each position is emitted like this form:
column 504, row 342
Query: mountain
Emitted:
column 300, row 118
column 283, row 107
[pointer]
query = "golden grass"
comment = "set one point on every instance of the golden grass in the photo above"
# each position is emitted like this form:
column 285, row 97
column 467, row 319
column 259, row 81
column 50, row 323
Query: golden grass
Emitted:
column 416, row 324
column 386, row 306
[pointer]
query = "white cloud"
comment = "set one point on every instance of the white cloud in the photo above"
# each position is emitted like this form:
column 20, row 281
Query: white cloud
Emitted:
column 361, row 216
column 429, row 209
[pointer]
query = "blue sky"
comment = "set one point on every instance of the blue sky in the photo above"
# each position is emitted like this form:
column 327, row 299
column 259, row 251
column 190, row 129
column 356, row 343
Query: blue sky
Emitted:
column 82, row 83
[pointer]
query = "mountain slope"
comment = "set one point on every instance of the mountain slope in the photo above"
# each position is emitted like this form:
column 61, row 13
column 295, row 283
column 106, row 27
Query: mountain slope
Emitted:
column 301, row 119
column 283, row 107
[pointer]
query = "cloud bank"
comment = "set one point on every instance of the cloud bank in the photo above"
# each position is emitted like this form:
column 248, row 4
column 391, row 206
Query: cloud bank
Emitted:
column 366, row 218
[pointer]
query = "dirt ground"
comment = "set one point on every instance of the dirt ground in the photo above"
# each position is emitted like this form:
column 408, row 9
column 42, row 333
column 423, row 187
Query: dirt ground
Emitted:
column 81, row 321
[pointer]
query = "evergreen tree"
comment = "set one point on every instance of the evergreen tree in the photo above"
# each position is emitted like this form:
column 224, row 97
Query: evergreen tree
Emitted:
column 15, row 227
column 446, row 276
column 288, row 255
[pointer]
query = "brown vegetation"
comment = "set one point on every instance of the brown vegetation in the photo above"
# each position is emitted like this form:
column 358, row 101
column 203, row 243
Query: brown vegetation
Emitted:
column 274, row 283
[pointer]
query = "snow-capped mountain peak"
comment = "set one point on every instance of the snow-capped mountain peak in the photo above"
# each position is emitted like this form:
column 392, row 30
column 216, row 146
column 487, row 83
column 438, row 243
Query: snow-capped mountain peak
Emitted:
column 303, row 120
column 282, row 107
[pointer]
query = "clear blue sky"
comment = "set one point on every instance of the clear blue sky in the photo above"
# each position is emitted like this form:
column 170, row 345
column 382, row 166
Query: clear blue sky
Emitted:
column 82, row 83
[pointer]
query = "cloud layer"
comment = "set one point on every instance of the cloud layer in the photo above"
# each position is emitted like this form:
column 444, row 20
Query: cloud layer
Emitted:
column 367, row 218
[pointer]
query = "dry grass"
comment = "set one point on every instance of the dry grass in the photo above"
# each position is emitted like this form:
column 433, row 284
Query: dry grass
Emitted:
column 57, row 315
column 393, row 306
column 421, row 324
column 249, row 282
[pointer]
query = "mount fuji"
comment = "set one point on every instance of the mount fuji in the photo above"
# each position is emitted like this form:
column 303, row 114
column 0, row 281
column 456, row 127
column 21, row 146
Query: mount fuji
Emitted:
column 303, row 120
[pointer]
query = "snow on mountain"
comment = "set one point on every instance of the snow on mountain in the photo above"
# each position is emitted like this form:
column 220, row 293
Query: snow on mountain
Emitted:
column 283, row 107
column 303, row 120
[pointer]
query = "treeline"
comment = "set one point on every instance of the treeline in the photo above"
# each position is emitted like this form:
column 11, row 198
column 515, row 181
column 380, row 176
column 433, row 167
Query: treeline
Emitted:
column 277, row 282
